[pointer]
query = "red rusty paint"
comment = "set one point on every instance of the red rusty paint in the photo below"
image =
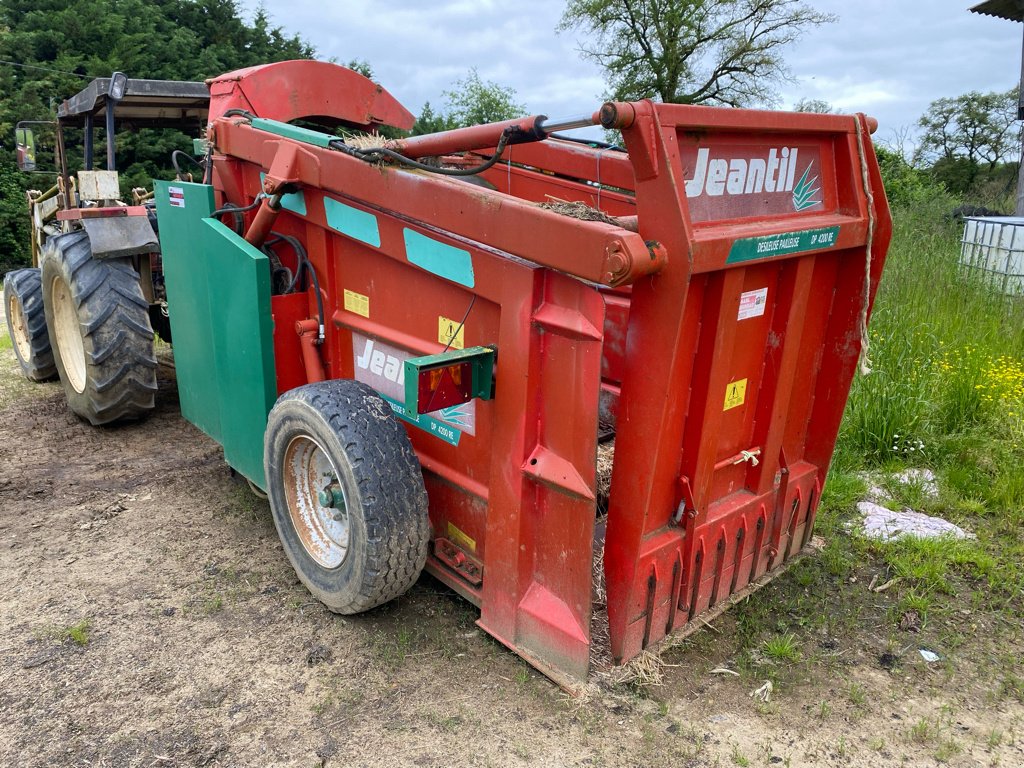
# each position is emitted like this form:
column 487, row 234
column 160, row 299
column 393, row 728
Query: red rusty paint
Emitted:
column 645, row 318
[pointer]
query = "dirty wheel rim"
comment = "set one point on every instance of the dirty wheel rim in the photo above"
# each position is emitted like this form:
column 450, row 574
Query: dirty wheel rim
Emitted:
column 309, row 475
column 69, row 334
column 19, row 327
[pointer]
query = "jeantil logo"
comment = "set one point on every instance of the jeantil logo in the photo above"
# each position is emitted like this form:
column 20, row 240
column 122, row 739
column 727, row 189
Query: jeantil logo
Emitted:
column 772, row 174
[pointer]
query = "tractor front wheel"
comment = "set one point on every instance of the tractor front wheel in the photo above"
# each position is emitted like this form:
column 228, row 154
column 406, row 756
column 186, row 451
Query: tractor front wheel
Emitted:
column 99, row 326
column 26, row 323
column 347, row 494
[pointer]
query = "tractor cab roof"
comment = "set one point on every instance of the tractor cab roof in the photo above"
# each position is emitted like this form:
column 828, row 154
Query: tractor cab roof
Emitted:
column 146, row 104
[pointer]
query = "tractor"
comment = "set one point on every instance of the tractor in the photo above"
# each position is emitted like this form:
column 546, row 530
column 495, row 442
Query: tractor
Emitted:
column 91, row 304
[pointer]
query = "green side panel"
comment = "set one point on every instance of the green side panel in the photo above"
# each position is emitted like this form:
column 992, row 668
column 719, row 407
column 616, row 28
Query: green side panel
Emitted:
column 186, row 278
column 243, row 342
column 783, row 244
column 218, row 294
column 305, row 135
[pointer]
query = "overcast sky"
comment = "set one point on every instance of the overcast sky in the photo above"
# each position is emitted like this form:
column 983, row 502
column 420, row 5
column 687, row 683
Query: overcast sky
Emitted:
column 888, row 58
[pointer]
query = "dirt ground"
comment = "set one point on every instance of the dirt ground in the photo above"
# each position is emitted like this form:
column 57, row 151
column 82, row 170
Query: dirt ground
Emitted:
column 150, row 618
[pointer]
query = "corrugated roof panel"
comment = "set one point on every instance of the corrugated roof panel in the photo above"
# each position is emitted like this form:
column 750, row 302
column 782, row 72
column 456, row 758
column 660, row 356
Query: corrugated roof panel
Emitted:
column 1012, row 10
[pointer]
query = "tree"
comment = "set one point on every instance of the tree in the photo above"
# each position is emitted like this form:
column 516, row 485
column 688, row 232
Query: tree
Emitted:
column 430, row 121
column 691, row 51
column 470, row 101
column 60, row 45
column 979, row 127
column 963, row 135
column 815, row 106
column 473, row 101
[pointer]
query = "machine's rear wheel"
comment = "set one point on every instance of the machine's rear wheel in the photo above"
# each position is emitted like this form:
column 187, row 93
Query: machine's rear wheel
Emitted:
column 346, row 493
column 26, row 323
column 99, row 325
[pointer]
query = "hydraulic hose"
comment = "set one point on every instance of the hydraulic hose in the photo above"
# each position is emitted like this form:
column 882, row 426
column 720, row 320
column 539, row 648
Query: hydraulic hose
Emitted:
column 377, row 154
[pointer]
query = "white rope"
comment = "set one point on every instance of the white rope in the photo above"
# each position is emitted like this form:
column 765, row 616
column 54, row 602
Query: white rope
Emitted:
column 865, row 362
column 750, row 456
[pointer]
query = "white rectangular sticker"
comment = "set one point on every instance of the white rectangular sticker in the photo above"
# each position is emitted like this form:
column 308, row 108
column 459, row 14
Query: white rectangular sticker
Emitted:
column 752, row 303
column 176, row 196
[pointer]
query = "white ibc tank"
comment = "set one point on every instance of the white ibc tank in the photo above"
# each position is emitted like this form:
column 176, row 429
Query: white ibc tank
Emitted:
column 995, row 246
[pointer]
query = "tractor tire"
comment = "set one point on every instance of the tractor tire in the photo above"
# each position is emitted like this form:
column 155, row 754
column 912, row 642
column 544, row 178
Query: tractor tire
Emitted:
column 26, row 323
column 347, row 494
column 99, row 326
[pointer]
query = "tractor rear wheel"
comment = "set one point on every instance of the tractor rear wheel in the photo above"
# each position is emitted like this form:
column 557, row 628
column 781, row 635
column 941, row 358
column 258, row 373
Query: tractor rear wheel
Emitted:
column 99, row 325
column 26, row 323
column 347, row 494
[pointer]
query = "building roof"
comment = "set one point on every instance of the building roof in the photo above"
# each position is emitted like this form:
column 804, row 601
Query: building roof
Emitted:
column 1011, row 10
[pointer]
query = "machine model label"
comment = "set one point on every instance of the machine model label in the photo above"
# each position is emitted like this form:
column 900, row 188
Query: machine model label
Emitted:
column 451, row 333
column 357, row 303
column 735, row 394
column 752, row 303
column 735, row 181
column 382, row 366
column 782, row 244
column 176, row 196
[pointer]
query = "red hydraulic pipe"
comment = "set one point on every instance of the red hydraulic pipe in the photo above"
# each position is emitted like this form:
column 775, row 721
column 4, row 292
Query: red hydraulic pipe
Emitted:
column 264, row 220
column 309, row 334
column 518, row 131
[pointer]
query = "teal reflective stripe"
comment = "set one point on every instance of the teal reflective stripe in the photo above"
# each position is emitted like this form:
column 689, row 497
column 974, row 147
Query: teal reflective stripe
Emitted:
column 293, row 201
column 783, row 244
column 359, row 225
column 429, row 424
column 444, row 260
column 289, row 131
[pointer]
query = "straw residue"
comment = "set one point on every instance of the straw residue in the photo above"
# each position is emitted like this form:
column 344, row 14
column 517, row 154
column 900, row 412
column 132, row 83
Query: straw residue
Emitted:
column 365, row 140
column 577, row 210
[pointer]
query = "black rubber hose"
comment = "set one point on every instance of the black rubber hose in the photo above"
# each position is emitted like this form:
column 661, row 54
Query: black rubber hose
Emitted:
column 177, row 168
column 379, row 153
column 304, row 265
column 232, row 208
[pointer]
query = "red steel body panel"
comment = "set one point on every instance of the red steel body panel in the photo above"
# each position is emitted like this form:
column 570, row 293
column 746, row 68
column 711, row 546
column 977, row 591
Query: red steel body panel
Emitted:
column 721, row 339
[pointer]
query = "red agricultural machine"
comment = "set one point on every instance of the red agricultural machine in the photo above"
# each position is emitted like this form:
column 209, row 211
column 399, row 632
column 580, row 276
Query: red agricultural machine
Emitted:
column 419, row 347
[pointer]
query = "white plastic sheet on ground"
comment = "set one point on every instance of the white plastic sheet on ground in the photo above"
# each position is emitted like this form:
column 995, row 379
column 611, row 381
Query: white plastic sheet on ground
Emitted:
column 884, row 524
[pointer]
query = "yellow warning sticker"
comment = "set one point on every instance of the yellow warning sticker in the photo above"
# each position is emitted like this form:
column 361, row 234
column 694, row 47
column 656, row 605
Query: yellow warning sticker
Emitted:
column 459, row 538
column 357, row 303
column 735, row 394
column 450, row 333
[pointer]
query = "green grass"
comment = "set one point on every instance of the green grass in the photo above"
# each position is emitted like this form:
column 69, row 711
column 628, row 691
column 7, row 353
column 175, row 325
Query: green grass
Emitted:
column 79, row 633
column 782, row 648
column 946, row 393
